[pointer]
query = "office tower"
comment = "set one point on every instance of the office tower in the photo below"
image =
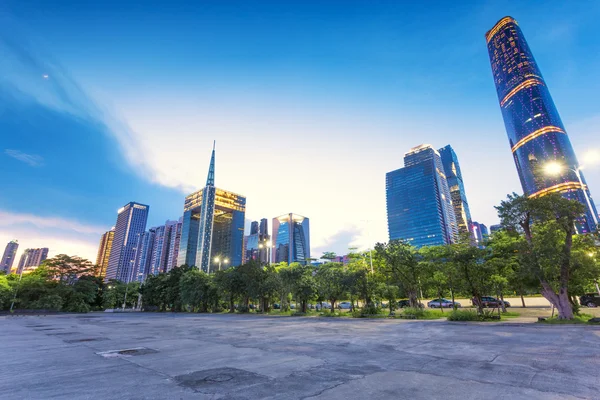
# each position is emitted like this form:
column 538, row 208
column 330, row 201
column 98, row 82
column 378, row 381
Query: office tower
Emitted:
column 8, row 258
column 143, row 255
column 174, row 243
column 457, row 189
column 480, row 232
column 131, row 223
column 545, row 160
column 495, row 228
column 157, row 260
column 291, row 239
column 106, row 242
column 31, row 259
column 419, row 204
column 257, row 245
column 213, row 226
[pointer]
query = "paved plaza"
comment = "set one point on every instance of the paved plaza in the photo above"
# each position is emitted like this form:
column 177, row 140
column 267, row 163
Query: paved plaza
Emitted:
column 195, row 356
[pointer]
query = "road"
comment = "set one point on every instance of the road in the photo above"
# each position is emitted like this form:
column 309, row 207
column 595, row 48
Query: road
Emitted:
column 193, row 356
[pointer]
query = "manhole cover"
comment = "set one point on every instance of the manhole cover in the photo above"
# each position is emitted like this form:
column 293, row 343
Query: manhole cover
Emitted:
column 137, row 351
column 219, row 378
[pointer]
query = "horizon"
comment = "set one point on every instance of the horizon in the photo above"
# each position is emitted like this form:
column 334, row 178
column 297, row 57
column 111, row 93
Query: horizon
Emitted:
column 310, row 105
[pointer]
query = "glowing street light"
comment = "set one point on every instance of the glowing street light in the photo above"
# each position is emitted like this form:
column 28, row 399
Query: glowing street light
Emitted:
column 554, row 168
column 220, row 261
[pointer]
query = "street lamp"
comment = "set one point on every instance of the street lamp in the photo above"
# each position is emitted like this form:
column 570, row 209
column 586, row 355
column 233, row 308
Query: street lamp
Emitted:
column 554, row 168
column 268, row 246
column 220, row 261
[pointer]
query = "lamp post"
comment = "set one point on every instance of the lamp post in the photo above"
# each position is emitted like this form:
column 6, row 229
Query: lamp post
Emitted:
column 16, row 290
column 554, row 168
column 221, row 260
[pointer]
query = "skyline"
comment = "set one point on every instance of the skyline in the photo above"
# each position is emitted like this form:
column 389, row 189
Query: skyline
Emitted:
column 313, row 99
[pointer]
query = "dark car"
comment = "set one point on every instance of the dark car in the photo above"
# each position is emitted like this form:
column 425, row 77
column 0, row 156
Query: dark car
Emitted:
column 590, row 300
column 403, row 303
column 491, row 302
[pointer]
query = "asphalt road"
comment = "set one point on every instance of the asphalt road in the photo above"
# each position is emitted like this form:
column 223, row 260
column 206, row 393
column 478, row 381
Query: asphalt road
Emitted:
column 187, row 356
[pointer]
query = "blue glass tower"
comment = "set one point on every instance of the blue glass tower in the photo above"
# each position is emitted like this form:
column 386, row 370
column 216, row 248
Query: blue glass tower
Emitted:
column 291, row 239
column 213, row 226
column 536, row 134
column 419, row 205
column 457, row 189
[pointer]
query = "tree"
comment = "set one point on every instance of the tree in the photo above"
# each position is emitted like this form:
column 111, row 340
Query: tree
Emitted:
column 548, row 226
column 196, row 290
column 230, row 285
column 67, row 269
column 401, row 264
column 330, row 280
column 304, row 286
column 328, row 255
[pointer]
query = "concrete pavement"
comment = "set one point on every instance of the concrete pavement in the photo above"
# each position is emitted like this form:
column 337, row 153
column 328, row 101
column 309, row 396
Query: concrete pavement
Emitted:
column 193, row 356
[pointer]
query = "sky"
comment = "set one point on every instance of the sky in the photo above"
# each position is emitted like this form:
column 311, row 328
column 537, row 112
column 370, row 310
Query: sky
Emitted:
column 310, row 104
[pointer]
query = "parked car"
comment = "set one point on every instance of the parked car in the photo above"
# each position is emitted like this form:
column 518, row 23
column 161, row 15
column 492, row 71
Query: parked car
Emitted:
column 491, row 302
column 345, row 305
column 442, row 303
column 324, row 305
column 293, row 306
column 590, row 300
column 403, row 303
column 276, row 306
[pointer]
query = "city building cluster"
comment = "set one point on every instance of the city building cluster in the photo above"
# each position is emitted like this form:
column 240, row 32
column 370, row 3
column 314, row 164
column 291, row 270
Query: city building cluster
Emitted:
column 426, row 198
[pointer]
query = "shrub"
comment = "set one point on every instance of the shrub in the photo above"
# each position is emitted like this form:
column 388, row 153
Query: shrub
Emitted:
column 50, row 302
column 370, row 310
column 243, row 309
column 464, row 315
column 418, row 313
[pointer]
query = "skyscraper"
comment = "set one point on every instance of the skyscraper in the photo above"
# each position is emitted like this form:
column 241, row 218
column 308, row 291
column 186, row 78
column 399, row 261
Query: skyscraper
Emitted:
column 457, row 189
column 256, row 245
column 545, row 160
column 8, row 258
column 291, row 239
column 104, row 251
column 32, row 258
column 131, row 223
column 419, row 204
column 143, row 255
column 480, row 232
column 213, row 226
column 174, row 243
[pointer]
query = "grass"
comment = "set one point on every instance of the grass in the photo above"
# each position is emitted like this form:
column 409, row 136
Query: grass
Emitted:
column 578, row 319
column 421, row 313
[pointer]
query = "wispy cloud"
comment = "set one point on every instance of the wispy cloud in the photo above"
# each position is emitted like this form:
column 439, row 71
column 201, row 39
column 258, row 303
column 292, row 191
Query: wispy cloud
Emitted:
column 10, row 219
column 31, row 159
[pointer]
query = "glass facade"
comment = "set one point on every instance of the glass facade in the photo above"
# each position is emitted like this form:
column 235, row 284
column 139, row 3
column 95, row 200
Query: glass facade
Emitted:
column 419, row 205
column 143, row 255
column 131, row 224
column 8, row 258
column 457, row 189
column 104, row 251
column 536, row 134
column 291, row 239
column 480, row 232
column 256, row 244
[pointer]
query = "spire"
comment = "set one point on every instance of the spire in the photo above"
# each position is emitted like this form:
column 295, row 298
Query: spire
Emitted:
column 210, row 180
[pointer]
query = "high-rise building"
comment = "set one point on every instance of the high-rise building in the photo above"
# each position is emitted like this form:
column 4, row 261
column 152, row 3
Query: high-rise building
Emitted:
column 457, row 189
column 213, row 226
column 256, row 245
column 291, row 239
column 495, row 228
column 131, row 223
column 480, row 232
column 32, row 258
column 419, row 204
column 104, row 251
column 143, row 255
column 545, row 160
column 8, row 258
column 174, row 244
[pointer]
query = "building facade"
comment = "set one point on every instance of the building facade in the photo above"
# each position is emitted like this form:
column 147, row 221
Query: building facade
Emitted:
column 291, row 239
column 418, row 200
column 104, row 249
column 257, row 243
column 213, row 226
column 31, row 259
column 8, row 258
column 131, row 224
column 143, row 255
column 457, row 189
column 536, row 134
column 480, row 232
column 174, row 244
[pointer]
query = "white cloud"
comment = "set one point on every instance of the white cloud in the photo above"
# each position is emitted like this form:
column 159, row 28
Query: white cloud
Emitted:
column 8, row 219
column 31, row 159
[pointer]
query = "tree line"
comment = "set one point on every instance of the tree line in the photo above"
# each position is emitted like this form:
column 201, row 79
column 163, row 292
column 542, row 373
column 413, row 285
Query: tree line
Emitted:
column 537, row 251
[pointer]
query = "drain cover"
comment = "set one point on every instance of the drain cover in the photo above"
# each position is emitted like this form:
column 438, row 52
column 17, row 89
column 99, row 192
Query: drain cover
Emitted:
column 136, row 351
column 219, row 379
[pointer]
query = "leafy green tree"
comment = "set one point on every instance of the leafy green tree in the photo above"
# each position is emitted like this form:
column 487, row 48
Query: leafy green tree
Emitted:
column 196, row 290
column 305, row 288
column 401, row 265
column 230, row 285
column 330, row 280
column 67, row 269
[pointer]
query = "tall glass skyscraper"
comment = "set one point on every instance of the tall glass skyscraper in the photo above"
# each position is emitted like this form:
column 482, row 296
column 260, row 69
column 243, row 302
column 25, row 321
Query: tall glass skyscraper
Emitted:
column 131, row 224
column 104, row 252
column 8, row 258
column 256, row 244
column 291, row 239
column 536, row 134
column 213, row 226
column 419, row 204
column 457, row 189
column 143, row 255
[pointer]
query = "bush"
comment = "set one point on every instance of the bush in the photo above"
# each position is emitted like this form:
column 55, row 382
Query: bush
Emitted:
column 50, row 302
column 464, row 315
column 243, row 309
column 418, row 313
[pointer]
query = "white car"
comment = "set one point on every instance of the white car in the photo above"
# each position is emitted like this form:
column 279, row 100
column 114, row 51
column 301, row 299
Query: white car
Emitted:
column 442, row 303
column 345, row 305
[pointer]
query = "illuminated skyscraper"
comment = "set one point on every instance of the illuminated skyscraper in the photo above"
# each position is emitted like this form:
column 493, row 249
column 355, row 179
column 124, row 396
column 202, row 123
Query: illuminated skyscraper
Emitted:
column 256, row 245
column 104, row 251
column 457, row 189
column 32, row 258
column 131, row 224
column 419, row 204
column 536, row 134
column 291, row 239
column 480, row 232
column 213, row 226
column 8, row 258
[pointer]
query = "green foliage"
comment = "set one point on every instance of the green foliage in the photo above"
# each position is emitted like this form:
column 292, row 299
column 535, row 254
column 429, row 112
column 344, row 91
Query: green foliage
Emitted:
column 464, row 315
column 421, row 313
column 577, row 319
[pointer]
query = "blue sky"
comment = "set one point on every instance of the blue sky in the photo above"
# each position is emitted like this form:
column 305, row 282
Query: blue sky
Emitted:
column 311, row 103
